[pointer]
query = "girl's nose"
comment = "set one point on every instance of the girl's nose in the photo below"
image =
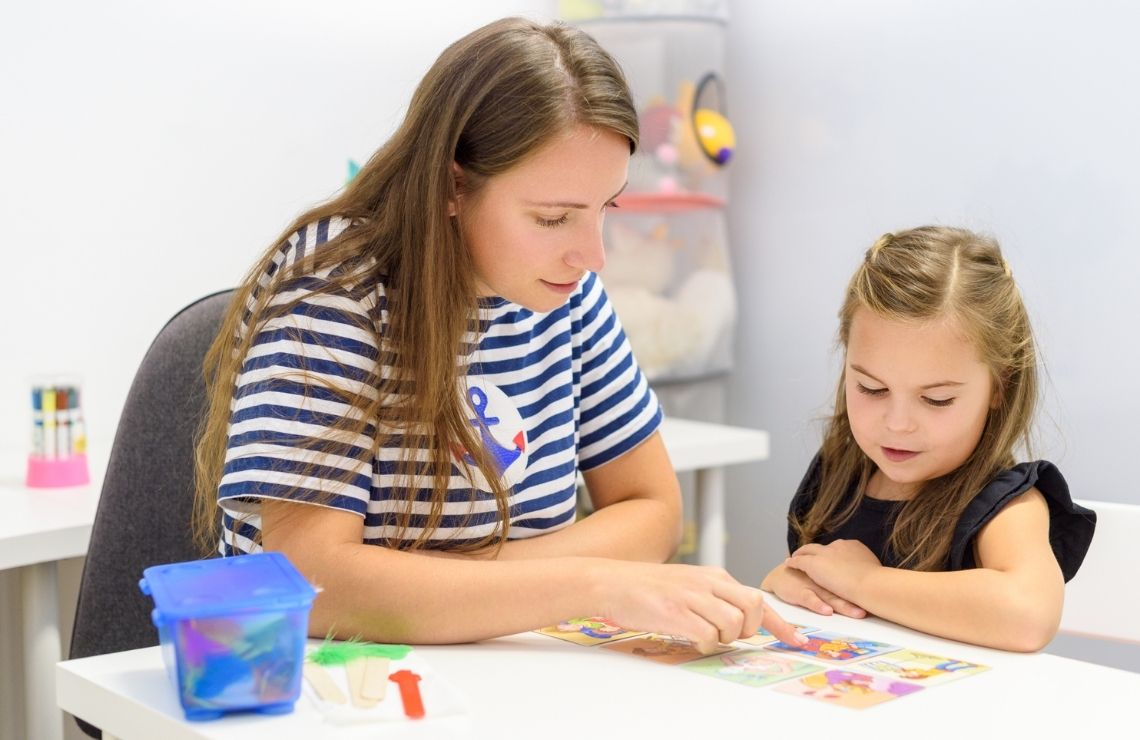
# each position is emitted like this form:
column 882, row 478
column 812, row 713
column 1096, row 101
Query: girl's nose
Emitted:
column 899, row 417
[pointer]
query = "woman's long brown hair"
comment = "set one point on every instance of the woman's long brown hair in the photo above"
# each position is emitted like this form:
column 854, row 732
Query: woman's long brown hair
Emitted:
column 491, row 99
column 922, row 275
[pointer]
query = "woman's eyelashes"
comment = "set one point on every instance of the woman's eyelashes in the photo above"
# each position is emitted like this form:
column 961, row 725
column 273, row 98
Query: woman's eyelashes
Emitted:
column 877, row 392
column 550, row 223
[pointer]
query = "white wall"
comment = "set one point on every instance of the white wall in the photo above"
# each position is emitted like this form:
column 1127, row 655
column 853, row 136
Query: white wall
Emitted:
column 1015, row 118
column 148, row 152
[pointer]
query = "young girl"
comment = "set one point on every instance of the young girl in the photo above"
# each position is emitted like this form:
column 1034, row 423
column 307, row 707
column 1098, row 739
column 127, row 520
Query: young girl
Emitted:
column 410, row 379
column 914, row 509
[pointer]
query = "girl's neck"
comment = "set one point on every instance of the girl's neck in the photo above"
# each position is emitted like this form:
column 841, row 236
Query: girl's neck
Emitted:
column 883, row 488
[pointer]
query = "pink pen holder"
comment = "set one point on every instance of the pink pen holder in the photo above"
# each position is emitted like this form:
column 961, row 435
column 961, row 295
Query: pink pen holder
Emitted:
column 57, row 472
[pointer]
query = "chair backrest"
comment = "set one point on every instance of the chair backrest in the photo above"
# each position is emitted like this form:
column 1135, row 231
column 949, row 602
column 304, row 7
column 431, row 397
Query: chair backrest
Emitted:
column 1103, row 599
column 145, row 505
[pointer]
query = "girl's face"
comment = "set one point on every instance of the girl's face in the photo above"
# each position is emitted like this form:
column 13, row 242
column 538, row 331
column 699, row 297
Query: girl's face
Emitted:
column 917, row 399
column 536, row 229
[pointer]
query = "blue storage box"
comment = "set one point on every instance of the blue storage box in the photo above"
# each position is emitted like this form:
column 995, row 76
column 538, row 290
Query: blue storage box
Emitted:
column 232, row 630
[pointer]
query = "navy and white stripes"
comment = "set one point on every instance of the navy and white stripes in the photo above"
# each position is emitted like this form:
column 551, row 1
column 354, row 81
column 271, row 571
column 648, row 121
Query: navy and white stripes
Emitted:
column 554, row 393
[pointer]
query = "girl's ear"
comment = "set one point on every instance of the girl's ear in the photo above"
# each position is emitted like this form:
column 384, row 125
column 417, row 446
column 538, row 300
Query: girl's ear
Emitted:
column 460, row 182
column 998, row 392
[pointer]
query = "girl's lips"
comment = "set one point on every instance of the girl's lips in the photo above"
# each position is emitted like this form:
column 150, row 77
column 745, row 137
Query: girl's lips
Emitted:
column 897, row 455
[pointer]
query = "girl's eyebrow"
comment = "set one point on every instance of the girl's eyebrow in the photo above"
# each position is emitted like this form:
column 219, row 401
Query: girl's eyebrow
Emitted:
column 568, row 204
column 928, row 386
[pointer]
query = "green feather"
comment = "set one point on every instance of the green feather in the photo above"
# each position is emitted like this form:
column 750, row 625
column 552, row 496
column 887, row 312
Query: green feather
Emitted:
column 333, row 652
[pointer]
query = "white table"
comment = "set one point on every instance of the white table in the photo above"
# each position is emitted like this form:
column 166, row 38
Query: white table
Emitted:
column 708, row 449
column 533, row 686
column 38, row 528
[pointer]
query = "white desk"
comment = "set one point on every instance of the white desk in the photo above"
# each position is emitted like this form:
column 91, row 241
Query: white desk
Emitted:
column 38, row 528
column 708, row 449
column 533, row 686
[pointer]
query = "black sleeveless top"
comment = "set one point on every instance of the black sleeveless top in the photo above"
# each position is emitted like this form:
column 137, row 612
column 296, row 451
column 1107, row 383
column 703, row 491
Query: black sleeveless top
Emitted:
column 1070, row 526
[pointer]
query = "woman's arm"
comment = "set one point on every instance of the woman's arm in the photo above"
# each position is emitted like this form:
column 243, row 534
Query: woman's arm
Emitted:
column 392, row 596
column 1011, row 601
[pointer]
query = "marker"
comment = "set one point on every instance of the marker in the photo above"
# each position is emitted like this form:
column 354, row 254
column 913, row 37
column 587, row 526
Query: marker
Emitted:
column 78, row 434
column 48, row 397
column 37, row 422
column 62, row 423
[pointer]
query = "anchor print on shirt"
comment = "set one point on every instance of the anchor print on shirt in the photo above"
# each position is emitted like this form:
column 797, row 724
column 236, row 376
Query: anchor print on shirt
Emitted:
column 501, row 431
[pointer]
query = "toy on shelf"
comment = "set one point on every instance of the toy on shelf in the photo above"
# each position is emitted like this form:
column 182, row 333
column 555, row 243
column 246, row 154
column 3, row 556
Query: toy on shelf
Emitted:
column 667, row 257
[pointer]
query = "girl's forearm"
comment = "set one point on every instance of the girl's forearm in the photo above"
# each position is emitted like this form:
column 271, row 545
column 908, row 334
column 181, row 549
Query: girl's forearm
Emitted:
column 982, row 606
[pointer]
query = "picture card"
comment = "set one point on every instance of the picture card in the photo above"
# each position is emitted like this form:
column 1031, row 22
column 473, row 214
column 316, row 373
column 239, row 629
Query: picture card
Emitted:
column 848, row 688
column 753, row 667
column 764, row 637
column 835, row 647
column 588, row 631
column 922, row 668
column 667, row 649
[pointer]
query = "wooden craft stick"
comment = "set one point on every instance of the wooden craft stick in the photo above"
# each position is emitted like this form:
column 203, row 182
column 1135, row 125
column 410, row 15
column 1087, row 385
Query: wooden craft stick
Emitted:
column 355, row 670
column 323, row 684
column 375, row 684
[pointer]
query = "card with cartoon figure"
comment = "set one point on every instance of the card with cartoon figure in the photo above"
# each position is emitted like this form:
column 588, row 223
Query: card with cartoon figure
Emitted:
column 848, row 688
column 667, row 649
column 588, row 631
column 922, row 668
column 836, row 648
column 753, row 667
column 764, row 637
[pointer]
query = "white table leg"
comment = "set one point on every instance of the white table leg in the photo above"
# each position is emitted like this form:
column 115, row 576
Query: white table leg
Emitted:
column 40, row 597
column 710, row 516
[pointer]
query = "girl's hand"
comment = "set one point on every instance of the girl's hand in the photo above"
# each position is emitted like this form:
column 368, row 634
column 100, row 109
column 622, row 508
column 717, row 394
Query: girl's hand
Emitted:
column 839, row 567
column 795, row 587
column 704, row 605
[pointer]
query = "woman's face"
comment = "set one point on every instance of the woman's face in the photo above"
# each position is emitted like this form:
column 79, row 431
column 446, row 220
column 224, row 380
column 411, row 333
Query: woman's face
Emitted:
column 536, row 229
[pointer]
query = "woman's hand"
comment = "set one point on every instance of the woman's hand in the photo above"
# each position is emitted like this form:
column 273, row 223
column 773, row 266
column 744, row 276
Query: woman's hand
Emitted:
column 839, row 567
column 795, row 587
column 704, row 605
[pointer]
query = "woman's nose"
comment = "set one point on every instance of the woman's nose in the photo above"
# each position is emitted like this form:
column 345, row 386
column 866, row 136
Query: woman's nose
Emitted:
column 589, row 251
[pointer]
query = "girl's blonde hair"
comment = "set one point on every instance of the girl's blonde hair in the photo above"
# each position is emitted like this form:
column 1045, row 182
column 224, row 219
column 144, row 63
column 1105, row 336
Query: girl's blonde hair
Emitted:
column 922, row 275
column 491, row 99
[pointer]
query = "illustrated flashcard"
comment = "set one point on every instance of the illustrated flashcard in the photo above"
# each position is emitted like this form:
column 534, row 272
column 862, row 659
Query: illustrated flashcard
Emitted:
column 836, row 648
column 667, row 649
column 847, row 688
column 753, row 667
column 588, row 631
column 764, row 637
column 922, row 668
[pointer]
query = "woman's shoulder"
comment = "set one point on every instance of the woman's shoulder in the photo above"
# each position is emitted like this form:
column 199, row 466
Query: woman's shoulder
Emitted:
column 1070, row 525
column 310, row 239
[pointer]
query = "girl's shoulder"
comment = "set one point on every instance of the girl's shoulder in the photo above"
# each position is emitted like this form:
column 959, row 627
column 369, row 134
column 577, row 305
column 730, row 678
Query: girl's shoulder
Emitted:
column 1070, row 525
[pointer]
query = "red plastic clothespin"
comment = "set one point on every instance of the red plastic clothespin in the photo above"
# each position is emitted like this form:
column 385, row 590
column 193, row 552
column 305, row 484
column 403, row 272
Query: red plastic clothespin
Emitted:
column 409, row 684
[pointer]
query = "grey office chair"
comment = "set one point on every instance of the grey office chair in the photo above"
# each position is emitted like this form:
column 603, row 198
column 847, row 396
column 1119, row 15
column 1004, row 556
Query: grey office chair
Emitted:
column 143, row 517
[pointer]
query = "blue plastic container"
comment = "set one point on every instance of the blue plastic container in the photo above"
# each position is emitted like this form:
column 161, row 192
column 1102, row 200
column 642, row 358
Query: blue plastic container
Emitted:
column 233, row 632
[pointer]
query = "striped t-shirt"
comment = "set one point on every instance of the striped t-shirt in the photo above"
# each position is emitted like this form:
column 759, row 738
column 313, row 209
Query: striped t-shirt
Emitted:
column 557, row 392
